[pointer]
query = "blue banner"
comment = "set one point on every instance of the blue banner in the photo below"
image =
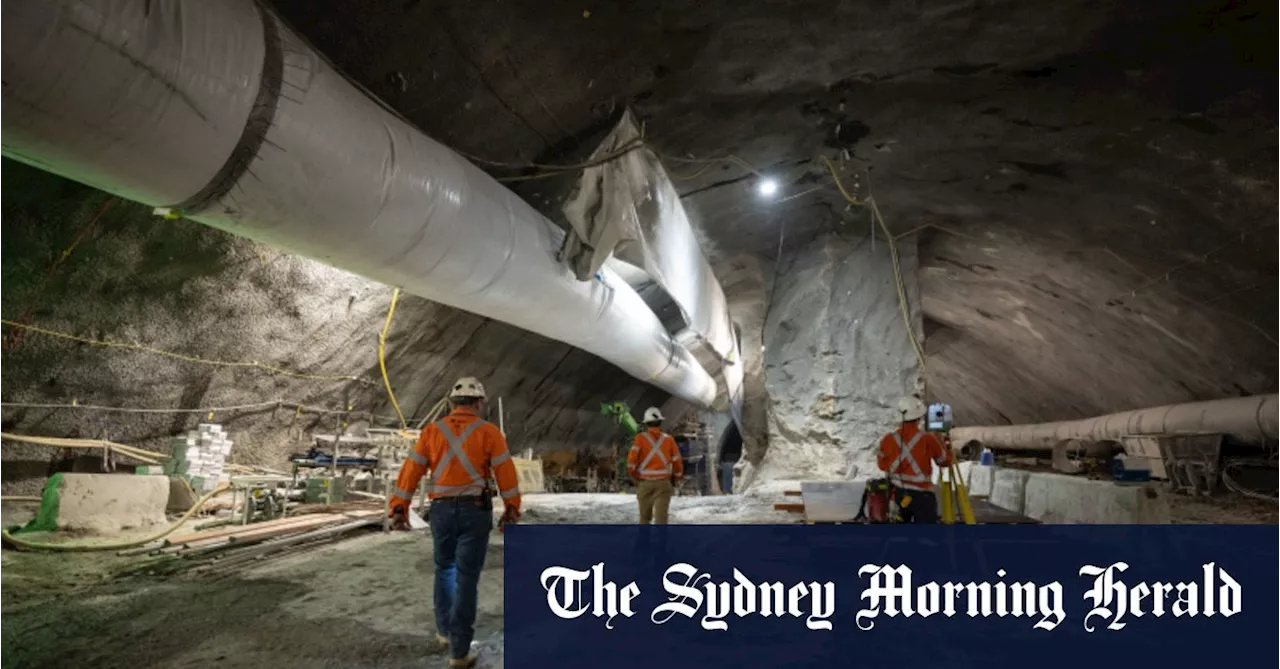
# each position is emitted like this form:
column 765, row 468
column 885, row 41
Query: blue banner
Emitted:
column 935, row 596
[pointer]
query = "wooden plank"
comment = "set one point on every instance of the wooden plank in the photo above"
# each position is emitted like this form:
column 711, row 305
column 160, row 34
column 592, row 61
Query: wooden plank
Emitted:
column 831, row 501
column 791, row 493
column 793, row 507
column 219, row 532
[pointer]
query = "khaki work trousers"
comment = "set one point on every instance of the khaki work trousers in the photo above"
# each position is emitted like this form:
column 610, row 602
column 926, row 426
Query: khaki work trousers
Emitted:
column 654, row 498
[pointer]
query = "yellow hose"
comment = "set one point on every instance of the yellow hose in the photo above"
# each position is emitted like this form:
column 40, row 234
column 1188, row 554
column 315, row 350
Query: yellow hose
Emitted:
column 893, row 256
column 86, row 548
column 382, row 358
column 149, row 457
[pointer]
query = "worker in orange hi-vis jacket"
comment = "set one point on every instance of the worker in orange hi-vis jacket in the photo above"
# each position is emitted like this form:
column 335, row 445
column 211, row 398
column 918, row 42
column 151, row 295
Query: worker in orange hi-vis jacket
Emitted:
column 907, row 456
column 654, row 462
column 462, row 452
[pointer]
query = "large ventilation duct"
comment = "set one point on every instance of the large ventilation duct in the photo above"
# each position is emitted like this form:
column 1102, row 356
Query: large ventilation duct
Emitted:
column 1250, row 418
column 217, row 111
column 628, row 208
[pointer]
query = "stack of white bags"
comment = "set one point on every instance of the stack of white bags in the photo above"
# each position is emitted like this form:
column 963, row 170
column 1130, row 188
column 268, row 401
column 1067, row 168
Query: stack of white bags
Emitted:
column 201, row 455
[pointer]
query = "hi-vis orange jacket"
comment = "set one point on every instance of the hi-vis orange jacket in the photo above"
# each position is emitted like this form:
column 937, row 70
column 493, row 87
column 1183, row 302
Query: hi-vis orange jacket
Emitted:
column 462, row 452
column 907, row 456
column 654, row 455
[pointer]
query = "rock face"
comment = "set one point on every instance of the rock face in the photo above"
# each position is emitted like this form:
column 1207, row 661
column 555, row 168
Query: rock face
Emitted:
column 1061, row 154
column 180, row 287
column 837, row 356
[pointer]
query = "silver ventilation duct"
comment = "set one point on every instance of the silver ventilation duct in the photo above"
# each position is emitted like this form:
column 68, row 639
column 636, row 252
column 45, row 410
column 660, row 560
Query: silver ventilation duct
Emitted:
column 218, row 112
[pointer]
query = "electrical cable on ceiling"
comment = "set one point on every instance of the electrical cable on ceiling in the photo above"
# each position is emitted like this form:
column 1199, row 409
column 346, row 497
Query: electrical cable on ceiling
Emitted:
column 179, row 356
column 893, row 256
column 1151, row 281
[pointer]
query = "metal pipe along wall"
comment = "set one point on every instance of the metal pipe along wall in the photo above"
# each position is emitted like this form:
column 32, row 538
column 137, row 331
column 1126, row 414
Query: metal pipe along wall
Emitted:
column 1251, row 418
column 218, row 111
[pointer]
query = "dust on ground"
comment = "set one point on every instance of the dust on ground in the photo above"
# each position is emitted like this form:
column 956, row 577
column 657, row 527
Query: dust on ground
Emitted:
column 1222, row 510
column 363, row 602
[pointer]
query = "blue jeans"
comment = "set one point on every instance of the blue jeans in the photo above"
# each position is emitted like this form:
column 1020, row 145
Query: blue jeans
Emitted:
column 460, row 532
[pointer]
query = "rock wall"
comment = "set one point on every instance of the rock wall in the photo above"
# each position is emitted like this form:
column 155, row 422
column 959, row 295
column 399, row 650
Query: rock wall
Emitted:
column 181, row 287
column 837, row 357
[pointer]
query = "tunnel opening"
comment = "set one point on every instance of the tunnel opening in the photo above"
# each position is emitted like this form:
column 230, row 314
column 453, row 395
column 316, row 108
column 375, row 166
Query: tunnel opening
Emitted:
column 730, row 451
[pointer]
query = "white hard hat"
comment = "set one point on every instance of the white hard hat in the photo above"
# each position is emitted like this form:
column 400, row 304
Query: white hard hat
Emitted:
column 652, row 415
column 911, row 408
column 467, row 386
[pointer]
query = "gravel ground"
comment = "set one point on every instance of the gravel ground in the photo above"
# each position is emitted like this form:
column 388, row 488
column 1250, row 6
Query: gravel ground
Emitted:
column 364, row 602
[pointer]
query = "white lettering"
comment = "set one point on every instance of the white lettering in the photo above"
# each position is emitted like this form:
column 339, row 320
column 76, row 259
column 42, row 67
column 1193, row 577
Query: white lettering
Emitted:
column 1186, row 604
column 1105, row 591
column 1228, row 595
column 692, row 590
column 890, row 591
column 823, row 596
column 1113, row 599
column 562, row 599
column 564, row 594
column 681, row 593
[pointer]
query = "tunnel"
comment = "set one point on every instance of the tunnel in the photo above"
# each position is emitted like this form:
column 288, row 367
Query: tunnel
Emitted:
column 251, row 248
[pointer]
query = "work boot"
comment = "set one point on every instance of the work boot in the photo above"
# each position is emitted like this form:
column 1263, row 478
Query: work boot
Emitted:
column 439, row 644
column 463, row 662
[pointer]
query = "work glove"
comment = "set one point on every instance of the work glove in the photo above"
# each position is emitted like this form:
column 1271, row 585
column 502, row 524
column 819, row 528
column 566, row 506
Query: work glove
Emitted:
column 399, row 520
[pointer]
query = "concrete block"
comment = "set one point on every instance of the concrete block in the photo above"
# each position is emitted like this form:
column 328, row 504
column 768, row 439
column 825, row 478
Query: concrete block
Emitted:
column 109, row 503
column 962, row 468
column 1009, row 488
column 1060, row 499
column 981, row 480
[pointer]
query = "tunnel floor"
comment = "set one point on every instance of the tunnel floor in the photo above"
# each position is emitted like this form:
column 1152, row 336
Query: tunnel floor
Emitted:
column 363, row 602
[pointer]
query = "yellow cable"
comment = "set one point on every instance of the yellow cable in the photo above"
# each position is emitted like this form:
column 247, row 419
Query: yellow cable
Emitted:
column 382, row 357
column 178, row 356
column 84, row 548
column 902, row 289
column 832, row 168
column 893, row 256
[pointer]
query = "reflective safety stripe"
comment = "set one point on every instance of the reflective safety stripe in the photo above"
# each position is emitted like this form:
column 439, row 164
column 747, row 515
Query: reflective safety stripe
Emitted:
column 402, row 493
column 494, row 462
column 654, row 451
column 905, row 456
column 508, row 494
column 418, row 457
column 456, row 452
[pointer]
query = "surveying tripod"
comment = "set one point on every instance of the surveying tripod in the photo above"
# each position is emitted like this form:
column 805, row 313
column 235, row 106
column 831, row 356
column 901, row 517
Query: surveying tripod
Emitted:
column 952, row 492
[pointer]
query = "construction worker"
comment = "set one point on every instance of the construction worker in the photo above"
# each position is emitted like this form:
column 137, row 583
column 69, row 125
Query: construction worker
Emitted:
column 907, row 456
column 463, row 452
column 654, row 462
